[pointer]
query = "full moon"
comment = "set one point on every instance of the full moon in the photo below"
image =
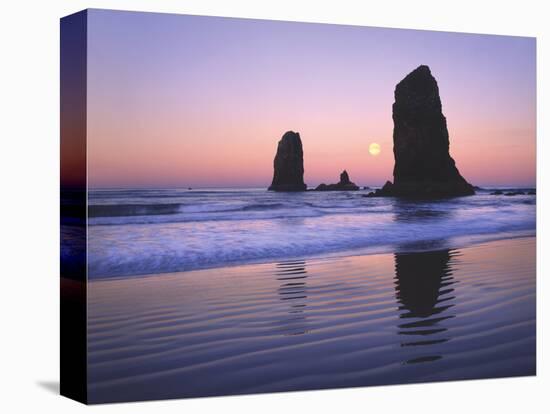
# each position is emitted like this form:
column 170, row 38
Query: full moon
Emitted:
column 374, row 149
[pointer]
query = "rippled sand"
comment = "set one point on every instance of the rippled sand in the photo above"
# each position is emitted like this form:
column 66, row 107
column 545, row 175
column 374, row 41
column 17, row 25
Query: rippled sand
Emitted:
column 322, row 323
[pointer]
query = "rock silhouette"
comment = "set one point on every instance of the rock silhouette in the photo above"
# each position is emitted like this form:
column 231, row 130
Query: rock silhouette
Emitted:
column 288, row 165
column 419, row 279
column 343, row 185
column 423, row 166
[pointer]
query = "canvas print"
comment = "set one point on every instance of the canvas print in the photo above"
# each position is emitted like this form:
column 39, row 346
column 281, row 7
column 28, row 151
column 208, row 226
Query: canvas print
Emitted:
column 254, row 206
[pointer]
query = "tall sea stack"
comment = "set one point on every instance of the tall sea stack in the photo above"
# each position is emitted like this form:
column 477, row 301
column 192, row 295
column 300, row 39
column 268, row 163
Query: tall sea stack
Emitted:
column 288, row 174
column 423, row 166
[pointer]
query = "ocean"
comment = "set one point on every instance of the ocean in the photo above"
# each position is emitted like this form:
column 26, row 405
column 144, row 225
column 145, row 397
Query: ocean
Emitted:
column 150, row 231
column 209, row 292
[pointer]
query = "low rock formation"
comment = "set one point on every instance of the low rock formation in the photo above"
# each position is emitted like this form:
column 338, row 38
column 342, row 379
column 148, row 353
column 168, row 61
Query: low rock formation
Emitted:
column 512, row 192
column 288, row 165
column 385, row 191
column 423, row 166
column 344, row 185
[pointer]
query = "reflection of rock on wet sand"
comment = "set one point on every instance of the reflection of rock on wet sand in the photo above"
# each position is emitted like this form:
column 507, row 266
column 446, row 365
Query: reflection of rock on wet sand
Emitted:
column 292, row 276
column 424, row 291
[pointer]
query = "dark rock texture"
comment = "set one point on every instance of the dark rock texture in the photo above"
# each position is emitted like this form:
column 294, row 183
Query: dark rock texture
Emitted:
column 343, row 185
column 385, row 191
column 423, row 166
column 288, row 165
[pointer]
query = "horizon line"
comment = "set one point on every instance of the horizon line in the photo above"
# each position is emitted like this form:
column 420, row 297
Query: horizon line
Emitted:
column 191, row 188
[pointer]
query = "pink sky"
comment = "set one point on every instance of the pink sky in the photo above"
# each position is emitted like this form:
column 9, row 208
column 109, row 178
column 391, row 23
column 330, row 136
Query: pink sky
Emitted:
column 195, row 101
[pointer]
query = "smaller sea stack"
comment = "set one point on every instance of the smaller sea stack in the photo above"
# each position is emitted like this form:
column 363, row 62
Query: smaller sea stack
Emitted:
column 288, row 165
column 343, row 185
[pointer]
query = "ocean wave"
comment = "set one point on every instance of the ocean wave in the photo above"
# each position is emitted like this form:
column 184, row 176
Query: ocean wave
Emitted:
column 190, row 214
column 130, row 210
column 119, row 251
column 124, row 210
column 276, row 206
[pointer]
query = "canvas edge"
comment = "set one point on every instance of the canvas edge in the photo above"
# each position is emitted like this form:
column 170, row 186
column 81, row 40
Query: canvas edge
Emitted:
column 73, row 206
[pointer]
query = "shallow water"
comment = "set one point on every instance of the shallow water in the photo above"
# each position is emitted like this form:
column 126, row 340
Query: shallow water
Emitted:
column 134, row 232
column 445, row 314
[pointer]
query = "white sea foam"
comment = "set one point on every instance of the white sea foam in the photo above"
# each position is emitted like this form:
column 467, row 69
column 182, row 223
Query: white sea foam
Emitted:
column 156, row 231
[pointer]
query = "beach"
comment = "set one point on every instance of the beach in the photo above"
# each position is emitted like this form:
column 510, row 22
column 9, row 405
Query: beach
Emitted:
column 459, row 309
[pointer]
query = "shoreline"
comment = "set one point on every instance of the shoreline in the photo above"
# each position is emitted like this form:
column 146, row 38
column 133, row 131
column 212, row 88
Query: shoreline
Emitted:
column 224, row 230
column 459, row 242
column 378, row 319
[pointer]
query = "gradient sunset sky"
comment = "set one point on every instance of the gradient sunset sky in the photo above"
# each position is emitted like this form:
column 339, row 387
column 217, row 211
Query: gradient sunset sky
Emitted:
column 178, row 101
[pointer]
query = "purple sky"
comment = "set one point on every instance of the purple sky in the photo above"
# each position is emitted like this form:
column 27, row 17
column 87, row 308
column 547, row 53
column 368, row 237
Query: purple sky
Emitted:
column 177, row 100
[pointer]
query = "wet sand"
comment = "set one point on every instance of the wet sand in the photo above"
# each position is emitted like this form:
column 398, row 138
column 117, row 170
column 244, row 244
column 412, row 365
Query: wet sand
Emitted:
column 348, row 321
